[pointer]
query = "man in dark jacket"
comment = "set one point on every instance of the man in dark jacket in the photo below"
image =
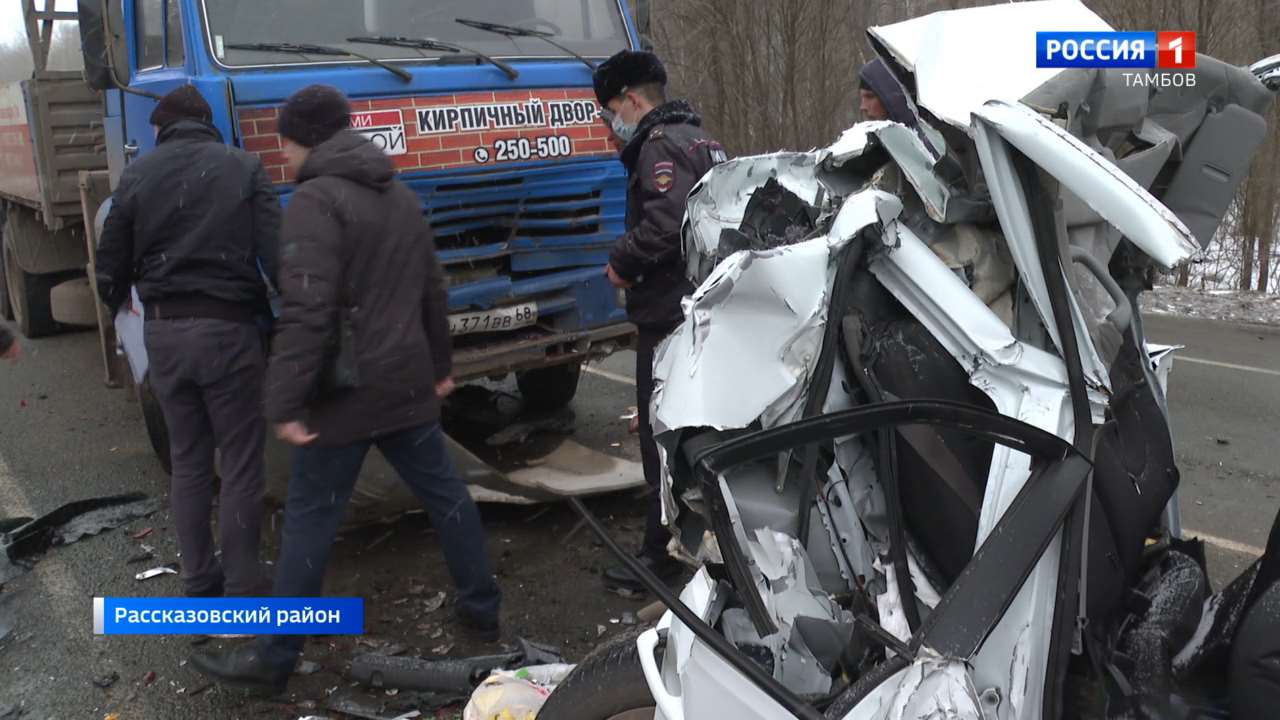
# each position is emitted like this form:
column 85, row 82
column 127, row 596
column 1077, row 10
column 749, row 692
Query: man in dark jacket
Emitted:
column 193, row 225
column 880, row 95
column 665, row 152
column 362, row 357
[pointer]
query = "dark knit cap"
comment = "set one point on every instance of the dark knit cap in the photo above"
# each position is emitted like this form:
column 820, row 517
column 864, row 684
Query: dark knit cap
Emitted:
column 185, row 103
column 627, row 69
column 314, row 114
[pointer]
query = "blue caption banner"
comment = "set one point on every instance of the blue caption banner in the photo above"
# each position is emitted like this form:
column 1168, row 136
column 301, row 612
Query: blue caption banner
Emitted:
column 229, row 616
column 1096, row 49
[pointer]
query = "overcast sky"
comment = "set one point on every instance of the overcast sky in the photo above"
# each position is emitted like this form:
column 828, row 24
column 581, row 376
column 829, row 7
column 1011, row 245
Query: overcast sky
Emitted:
column 11, row 18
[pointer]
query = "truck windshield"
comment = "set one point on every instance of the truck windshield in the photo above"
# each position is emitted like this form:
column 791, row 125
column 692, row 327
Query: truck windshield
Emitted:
column 593, row 28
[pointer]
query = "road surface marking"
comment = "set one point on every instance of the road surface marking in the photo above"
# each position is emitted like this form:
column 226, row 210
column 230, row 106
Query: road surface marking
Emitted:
column 1229, row 366
column 1225, row 544
column 616, row 377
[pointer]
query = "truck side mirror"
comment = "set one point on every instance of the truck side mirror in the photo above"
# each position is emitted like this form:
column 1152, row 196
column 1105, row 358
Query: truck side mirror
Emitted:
column 93, row 45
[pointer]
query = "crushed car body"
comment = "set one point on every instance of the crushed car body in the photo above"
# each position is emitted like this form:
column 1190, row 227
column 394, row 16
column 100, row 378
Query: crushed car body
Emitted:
column 911, row 423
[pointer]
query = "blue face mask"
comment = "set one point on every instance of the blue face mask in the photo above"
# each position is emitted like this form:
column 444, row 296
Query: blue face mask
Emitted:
column 623, row 129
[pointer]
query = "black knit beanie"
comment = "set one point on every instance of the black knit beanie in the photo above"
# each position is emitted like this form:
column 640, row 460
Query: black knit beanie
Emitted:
column 185, row 103
column 314, row 114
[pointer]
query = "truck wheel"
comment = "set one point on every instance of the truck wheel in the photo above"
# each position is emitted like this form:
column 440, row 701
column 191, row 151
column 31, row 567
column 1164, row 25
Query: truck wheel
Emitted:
column 157, row 430
column 29, row 298
column 549, row 388
column 608, row 684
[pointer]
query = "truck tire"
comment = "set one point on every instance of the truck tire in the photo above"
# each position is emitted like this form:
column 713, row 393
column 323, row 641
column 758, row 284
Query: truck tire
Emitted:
column 73, row 303
column 608, row 684
column 29, row 298
column 157, row 429
column 549, row 388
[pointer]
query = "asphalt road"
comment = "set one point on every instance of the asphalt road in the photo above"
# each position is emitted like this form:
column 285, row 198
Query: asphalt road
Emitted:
column 64, row 436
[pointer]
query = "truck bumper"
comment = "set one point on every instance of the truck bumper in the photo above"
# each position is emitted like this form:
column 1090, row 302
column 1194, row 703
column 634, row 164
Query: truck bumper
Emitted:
column 537, row 348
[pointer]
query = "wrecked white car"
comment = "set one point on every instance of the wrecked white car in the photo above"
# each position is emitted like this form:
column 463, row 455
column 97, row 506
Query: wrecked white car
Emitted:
column 911, row 426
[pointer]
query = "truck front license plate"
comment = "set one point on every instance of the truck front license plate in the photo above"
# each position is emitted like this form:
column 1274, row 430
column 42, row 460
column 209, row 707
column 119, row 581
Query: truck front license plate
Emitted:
column 495, row 320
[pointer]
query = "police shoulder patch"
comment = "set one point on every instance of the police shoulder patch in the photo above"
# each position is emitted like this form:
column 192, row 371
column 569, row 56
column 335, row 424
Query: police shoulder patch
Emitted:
column 664, row 175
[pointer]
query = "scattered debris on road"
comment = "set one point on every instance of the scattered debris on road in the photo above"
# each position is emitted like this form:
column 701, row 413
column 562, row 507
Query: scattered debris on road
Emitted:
column 21, row 546
column 142, row 533
column 170, row 569
column 106, row 680
column 447, row 674
column 515, row 694
column 434, row 603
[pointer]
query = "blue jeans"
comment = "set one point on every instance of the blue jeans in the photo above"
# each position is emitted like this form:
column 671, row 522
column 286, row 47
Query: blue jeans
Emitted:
column 319, row 490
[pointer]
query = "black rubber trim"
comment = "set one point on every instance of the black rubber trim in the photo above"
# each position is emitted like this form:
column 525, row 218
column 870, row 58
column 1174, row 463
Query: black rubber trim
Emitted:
column 850, row 257
column 1070, row 566
column 979, row 598
column 887, row 475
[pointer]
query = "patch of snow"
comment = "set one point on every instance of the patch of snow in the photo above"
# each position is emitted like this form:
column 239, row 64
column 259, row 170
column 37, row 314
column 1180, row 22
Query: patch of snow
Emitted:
column 1228, row 305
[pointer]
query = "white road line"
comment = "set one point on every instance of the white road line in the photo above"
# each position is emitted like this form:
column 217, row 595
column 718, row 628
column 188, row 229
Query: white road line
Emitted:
column 1229, row 366
column 616, row 377
column 1225, row 544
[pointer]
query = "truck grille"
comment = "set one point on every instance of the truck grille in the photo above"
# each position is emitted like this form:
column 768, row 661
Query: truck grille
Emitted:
column 506, row 213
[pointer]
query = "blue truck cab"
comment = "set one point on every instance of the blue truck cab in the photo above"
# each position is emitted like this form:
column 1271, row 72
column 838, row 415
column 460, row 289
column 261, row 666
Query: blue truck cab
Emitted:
column 484, row 106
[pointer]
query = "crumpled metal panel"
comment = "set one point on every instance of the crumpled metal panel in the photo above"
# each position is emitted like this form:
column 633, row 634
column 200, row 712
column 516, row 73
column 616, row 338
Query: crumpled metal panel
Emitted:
column 761, row 315
column 720, row 198
column 930, row 689
column 961, row 59
column 1114, row 195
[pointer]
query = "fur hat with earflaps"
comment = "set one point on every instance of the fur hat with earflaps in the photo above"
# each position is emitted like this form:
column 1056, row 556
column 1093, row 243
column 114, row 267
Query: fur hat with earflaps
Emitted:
column 627, row 69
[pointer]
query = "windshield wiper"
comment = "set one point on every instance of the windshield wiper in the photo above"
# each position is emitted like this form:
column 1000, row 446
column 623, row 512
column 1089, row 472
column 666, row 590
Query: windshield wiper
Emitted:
column 435, row 45
column 309, row 49
column 513, row 31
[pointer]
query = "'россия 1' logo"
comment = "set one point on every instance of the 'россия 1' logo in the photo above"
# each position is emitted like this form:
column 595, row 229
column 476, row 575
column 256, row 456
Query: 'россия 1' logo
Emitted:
column 1163, row 50
column 1142, row 50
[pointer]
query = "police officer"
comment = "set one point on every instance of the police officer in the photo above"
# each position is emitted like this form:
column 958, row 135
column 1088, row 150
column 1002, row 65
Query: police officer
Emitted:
column 665, row 151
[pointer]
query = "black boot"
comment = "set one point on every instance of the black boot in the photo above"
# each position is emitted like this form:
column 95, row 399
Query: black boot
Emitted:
column 482, row 629
column 241, row 667
column 620, row 580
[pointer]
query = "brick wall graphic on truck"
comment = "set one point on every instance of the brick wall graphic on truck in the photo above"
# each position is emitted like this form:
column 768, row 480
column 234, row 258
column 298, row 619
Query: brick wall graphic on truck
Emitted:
column 463, row 130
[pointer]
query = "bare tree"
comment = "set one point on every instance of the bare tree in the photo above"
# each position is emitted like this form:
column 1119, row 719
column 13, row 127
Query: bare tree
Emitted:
column 64, row 54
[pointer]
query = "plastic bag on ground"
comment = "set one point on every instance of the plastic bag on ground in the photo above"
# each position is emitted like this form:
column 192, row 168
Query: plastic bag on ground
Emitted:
column 515, row 694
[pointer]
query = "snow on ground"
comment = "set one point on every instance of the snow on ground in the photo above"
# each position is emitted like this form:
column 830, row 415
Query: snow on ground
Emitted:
column 1230, row 305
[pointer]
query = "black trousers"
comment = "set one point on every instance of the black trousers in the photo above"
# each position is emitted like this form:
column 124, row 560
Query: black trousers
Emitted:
column 656, row 535
column 207, row 376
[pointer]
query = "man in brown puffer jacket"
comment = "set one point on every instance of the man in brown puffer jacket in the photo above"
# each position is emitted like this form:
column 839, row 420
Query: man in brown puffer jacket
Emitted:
column 361, row 357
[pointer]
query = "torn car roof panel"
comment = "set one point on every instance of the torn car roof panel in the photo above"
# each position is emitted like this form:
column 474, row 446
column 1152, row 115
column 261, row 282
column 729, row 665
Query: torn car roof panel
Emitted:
column 962, row 59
